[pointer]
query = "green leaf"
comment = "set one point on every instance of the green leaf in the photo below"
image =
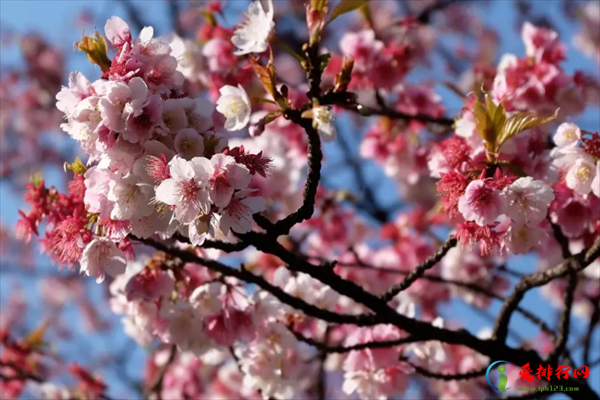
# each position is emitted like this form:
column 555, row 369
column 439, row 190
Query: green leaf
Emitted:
column 484, row 123
column 520, row 122
column 346, row 6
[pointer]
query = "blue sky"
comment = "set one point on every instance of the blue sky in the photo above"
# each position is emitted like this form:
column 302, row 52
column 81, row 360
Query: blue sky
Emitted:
column 55, row 20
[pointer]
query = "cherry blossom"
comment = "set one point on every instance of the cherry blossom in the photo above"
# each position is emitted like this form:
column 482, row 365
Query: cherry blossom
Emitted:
column 237, row 215
column 580, row 176
column 481, row 203
column 252, row 35
column 527, row 200
column 101, row 256
column 234, row 104
column 226, row 176
column 186, row 189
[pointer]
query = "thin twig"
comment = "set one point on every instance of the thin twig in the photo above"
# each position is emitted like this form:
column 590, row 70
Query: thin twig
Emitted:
column 156, row 385
column 420, row 270
column 574, row 264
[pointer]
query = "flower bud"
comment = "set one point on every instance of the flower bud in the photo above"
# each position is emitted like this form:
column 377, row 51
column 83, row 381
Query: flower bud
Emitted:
column 342, row 80
column 315, row 20
column 96, row 50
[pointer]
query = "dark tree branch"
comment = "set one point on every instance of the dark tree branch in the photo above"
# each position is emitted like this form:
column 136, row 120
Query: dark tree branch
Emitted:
column 156, row 385
column 322, row 379
column 450, row 377
column 574, row 264
column 470, row 286
column 348, row 102
column 361, row 346
column 315, row 157
column 419, row 271
column 246, row 276
column 373, row 207
column 595, row 318
column 562, row 240
column 425, row 15
column 565, row 320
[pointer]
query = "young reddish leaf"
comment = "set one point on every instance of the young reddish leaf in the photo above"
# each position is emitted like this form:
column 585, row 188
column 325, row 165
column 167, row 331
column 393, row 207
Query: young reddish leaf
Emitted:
column 267, row 76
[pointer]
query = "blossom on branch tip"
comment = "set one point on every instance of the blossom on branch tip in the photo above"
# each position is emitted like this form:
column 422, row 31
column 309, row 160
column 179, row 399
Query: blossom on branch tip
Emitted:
column 322, row 118
column 253, row 34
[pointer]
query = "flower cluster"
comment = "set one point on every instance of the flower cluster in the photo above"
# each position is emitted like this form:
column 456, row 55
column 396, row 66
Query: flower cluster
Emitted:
column 537, row 82
column 156, row 165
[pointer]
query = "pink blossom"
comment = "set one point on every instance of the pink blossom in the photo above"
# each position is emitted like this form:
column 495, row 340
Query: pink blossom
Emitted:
column 587, row 40
column 580, row 176
column 117, row 32
column 567, row 135
column 190, row 61
column 225, row 176
column 527, row 200
column 69, row 98
column 542, row 44
column 374, row 373
column 174, row 115
column 189, row 144
column 520, row 238
column 102, row 256
column 139, row 127
column 481, row 203
column 596, row 181
column 186, row 190
column 149, row 284
column 237, row 216
column 278, row 375
column 363, row 47
column 130, row 197
column 184, row 327
column 219, row 55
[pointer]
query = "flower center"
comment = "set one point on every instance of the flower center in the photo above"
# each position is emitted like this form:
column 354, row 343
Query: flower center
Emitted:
column 583, row 173
column 131, row 194
column 189, row 189
column 188, row 145
column 234, row 109
column 481, row 197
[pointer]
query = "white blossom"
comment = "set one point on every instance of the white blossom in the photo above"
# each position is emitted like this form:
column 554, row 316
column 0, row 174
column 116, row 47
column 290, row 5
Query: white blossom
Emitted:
column 252, row 35
column 234, row 104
